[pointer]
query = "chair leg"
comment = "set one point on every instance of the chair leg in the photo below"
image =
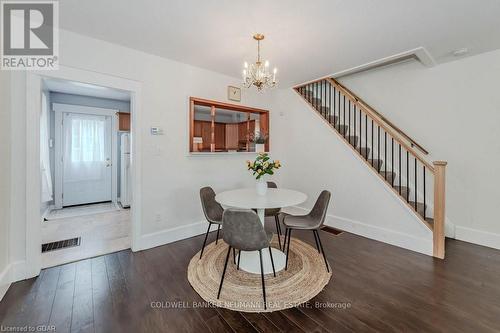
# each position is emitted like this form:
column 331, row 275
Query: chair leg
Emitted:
column 323, row 251
column 234, row 256
column 224, row 271
column 205, row 241
column 278, row 230
column 288, row 248
column 239, row 257
column 278, row 226
column 272, row 261
column 262, row 276
column 217, row 237
column 316, row 240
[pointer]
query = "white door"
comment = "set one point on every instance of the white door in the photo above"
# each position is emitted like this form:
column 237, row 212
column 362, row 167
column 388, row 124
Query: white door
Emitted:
column 86, row 158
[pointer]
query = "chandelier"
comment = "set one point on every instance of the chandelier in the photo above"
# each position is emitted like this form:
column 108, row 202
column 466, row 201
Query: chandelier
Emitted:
column 258, row 74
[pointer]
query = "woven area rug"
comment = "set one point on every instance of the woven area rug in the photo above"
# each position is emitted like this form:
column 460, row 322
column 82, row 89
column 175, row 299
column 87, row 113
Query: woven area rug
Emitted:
column 242, row 291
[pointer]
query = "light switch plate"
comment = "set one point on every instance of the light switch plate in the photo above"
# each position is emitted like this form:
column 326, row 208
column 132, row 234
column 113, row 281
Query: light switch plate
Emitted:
column 156, row 131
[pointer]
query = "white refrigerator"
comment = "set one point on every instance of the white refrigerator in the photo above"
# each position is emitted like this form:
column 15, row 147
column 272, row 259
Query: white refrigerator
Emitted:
column 125, row 174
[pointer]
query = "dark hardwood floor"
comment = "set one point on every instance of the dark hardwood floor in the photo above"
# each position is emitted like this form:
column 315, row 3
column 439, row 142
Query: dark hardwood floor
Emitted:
column 375, row 287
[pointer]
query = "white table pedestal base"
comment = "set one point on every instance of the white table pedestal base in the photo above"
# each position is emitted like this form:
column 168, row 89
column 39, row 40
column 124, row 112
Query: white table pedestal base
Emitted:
column 250, row 262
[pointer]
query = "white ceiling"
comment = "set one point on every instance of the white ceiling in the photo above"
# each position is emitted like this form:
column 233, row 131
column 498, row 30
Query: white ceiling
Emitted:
column 85, row 89
column 304, row 39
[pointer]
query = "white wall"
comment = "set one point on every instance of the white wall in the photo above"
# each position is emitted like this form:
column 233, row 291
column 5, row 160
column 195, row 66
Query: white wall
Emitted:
column 453, row 110
column 315, row 158
column 170, row 177
column 4, row 179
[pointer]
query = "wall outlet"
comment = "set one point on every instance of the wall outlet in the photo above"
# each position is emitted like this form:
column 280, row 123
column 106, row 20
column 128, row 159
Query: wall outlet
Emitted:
column 158, row 218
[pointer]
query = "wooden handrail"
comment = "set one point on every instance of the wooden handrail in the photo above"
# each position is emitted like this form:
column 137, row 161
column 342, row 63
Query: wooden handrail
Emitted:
column 381, row 123
column 314, row 94
column 387, row 121
column 378, row 118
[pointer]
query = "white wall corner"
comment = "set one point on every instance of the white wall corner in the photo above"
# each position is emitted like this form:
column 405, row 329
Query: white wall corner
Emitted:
column 12, row 272
column 167, row 236
column 5, row 281
column 479, row 237
column 409, row 242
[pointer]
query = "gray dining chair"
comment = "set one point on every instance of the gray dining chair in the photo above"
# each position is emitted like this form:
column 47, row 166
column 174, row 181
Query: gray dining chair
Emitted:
column 213, row 212
column 275, row 212
column 312, row 221
column 244, row 231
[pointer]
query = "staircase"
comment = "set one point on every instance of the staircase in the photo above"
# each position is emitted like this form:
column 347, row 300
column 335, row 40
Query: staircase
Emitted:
column 392, row 155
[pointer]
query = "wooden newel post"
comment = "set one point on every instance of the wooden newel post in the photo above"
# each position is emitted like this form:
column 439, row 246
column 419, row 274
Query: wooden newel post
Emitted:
column 439, row 208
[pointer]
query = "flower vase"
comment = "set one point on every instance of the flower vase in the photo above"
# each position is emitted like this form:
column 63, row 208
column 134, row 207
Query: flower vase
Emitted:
column 260, row 147
column 261, row 186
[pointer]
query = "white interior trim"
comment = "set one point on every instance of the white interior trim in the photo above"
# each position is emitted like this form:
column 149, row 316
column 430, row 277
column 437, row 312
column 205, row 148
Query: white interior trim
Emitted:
column 163, row 237
column 479, row 237
column 59, row 109
column 420, row 54
column 33, row 104
column 406, row 241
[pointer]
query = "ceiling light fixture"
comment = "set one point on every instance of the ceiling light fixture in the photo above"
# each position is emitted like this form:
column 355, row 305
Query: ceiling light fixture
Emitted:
column 258, row 74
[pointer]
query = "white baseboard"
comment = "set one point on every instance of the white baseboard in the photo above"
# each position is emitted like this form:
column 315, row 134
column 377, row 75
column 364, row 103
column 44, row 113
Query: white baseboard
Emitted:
column 421, row 245
column 163, row 237
column 479, row 237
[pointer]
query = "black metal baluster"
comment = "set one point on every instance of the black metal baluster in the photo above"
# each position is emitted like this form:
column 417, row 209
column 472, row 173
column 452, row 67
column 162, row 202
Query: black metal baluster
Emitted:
column 385, row 153
column 408, row 176
column 354, row 130
column 330, row 103
column 334, row 99
column 373, row 152
column 344, row 117
column 416, row 184
column 366, row 136
column 339, row 104
column 378, row 147
column 360, row 128
column 349, row 127
column 326, row 100
column 399, row 169
column 425, row 202
column 392, row 160
column 316, row 94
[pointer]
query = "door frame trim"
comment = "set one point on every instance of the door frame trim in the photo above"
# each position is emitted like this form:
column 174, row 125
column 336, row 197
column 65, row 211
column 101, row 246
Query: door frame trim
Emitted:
column 59, row 109
column 33, row 109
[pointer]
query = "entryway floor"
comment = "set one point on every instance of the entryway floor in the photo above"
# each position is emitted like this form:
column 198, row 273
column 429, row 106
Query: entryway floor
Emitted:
column 82, row 210
column 100, row 233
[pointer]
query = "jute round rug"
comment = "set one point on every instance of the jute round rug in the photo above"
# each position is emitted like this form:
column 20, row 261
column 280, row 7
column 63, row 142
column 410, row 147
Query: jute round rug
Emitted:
column 242, row 291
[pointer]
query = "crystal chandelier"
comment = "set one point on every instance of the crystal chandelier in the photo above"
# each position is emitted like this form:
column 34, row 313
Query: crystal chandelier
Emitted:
column 258, row 74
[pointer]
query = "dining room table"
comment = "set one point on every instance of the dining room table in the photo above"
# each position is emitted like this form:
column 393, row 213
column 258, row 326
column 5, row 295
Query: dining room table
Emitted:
column 248, row 198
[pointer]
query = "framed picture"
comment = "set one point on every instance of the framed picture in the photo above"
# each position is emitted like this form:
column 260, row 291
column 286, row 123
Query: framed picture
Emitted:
column 234, row 93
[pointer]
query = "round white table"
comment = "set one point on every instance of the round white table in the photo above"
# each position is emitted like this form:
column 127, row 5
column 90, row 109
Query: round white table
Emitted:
column 249, row 199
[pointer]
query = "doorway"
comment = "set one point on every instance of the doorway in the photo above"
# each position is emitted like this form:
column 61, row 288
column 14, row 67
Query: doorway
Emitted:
column 81, row 128
column 85, row 149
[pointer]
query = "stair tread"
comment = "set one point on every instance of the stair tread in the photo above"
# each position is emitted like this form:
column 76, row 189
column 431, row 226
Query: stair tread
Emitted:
column 365, row 151
column 353, row 140
column 420, row 207
column 342, row 128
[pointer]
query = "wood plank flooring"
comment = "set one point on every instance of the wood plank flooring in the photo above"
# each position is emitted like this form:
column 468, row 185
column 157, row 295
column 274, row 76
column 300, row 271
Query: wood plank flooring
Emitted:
column 375, row 288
